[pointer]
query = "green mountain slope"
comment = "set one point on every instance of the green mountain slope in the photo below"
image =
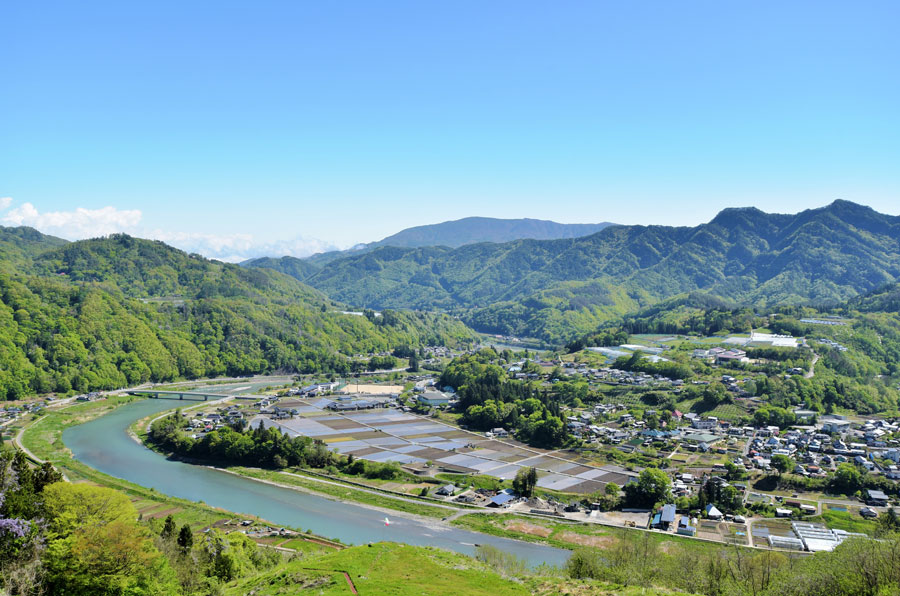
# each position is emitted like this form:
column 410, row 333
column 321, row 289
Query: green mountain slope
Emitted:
column 18, row 246
column 299, row 269
column 557, row 289
column 106, row 313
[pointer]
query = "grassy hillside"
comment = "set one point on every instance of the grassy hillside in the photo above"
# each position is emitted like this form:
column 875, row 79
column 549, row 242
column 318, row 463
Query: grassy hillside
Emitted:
column 382, row 568
column 400, row 570
column 558, row 289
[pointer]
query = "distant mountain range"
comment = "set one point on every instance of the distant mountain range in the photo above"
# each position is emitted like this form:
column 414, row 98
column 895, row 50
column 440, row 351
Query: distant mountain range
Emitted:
column 472, row 230
column 469, row 230
column 561, row 288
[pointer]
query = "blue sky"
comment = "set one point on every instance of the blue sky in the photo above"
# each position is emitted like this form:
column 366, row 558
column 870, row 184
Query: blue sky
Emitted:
column 286, row 127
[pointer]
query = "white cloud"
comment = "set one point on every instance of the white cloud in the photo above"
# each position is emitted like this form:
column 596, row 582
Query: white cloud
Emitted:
column 83, row 223
column 240, row 247
column 80, row 223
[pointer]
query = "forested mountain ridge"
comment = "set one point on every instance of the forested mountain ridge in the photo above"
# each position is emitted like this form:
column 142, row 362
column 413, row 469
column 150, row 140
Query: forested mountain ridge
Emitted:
column 151, row 269
column 18, row 246
column 111, row 312
column 557, row 289
column 299, row 269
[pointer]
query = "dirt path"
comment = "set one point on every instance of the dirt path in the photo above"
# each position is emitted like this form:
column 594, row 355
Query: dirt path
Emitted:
column 674, row 451
column 812, row 367
column 17, row 441
column 345, row 574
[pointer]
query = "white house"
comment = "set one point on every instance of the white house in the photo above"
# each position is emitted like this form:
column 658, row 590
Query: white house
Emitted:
column 836, row 426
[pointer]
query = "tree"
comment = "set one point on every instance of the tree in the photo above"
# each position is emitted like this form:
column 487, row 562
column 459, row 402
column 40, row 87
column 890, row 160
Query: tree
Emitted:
column 168, row 530
column 95, row 546
column 733, row 472
column 847, row 479
column 652, row 487
column 71, row 507
column 612, row 489
column 782, row 463
column 185, row 538
column 888, row 522
column 413, row 363
column 525, row 481
column 715, row 393
column 585, row 563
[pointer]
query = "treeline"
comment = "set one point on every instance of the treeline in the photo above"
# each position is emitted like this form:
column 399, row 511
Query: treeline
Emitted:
column 697, row 315
column 265, row 447
column 489, row 398
column 848, row 479
column 601, row 339
column 637, row 362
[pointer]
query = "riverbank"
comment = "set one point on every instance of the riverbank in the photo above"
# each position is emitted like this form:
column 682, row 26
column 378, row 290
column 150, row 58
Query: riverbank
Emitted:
column 521, row 526
column 332, row 488
column 43, row 440
column 150, row 478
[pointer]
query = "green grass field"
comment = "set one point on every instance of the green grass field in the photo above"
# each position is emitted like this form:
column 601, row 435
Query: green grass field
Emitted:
column 381, row 568
column 387, row 569
column 849, row 522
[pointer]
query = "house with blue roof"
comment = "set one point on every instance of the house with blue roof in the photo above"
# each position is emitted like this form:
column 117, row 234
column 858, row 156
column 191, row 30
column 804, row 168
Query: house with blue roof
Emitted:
column 501, row 499
column 665, row 517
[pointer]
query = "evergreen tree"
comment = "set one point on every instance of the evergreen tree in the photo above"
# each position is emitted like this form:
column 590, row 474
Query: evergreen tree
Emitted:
column 525, row 482
column 168, row 530
column 185, row 538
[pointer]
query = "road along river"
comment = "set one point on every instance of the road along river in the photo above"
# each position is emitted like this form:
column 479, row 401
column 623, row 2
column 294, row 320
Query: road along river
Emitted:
column 104, row 444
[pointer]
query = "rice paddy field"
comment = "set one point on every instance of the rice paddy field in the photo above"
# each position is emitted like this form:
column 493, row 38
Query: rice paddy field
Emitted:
column 389, row 435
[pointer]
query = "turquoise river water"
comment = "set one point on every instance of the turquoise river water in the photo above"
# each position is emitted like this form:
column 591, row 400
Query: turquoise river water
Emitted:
column 104, row 444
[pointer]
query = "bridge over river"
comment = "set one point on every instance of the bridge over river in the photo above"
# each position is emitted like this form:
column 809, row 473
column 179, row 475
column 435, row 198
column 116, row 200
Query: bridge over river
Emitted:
column 189, row 395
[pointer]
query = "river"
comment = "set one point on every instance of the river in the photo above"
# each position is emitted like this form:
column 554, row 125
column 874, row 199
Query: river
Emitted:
column 103, row 444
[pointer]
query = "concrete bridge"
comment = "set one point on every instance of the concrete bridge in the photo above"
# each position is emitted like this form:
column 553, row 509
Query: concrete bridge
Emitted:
column 189, row 395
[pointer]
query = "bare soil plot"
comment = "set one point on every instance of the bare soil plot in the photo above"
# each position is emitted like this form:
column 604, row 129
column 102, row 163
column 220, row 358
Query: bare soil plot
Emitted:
column 527, row 528
column 621, row 518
